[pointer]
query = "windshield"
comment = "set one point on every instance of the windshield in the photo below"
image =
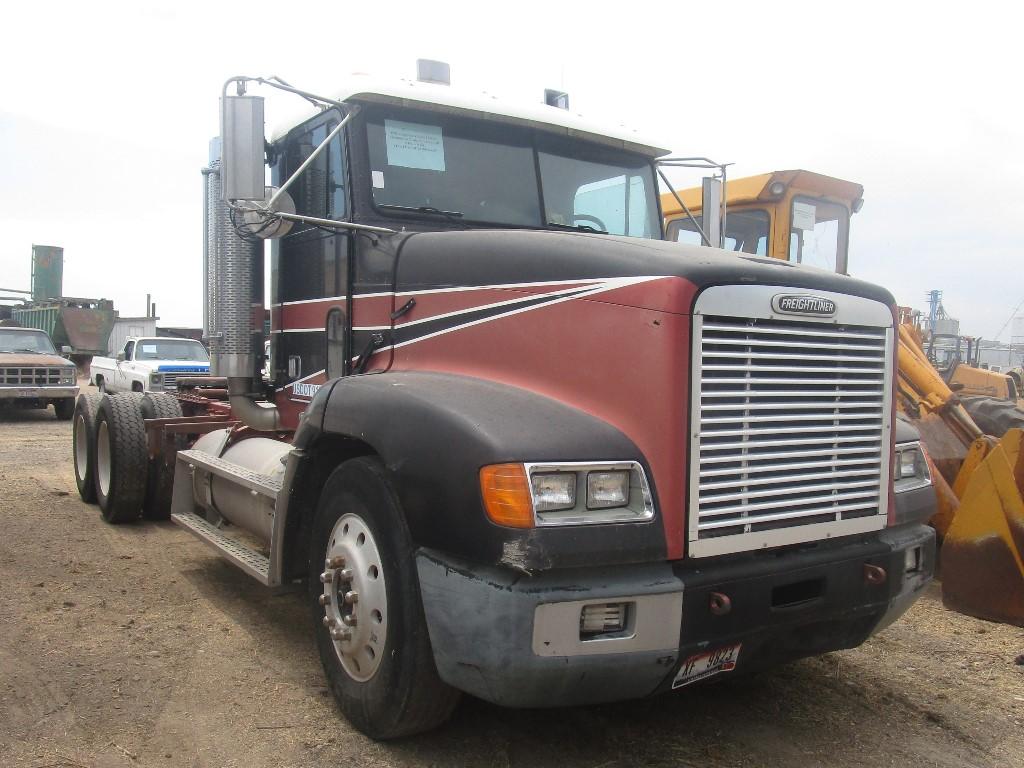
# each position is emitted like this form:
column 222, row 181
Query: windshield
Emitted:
column 170, row 349
column 493, row 173
column 26, row 341
column 818, row 234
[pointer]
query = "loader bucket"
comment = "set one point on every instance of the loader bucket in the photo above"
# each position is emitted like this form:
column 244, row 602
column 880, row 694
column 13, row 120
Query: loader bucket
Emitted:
column 982, row 563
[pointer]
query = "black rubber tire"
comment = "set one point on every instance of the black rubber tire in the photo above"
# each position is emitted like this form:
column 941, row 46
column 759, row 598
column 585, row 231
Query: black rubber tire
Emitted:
column 83, row 426
column 159, row 477
column 64, row 408
column 993, row 415
column 122, row 417
column 405, row 696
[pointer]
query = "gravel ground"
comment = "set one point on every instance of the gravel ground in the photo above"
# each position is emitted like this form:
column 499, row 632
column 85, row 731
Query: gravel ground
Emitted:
column 136, row 646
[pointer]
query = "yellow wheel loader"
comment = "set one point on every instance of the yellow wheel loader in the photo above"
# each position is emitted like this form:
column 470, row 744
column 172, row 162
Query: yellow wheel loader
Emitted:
column 804, row 217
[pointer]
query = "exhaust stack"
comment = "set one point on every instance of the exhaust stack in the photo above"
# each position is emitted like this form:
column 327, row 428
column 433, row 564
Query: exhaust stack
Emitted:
column 234, row 305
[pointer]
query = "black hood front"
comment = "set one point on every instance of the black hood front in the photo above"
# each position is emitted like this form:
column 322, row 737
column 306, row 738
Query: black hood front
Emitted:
column 429, row 260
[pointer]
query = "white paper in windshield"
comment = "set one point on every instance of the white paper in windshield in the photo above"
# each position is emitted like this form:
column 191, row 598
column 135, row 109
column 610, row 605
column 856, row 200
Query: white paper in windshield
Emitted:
column 414, row 145
column 804, row 216
column 149, row 349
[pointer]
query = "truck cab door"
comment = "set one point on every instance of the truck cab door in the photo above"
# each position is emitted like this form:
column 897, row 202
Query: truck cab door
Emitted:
column 122, row 381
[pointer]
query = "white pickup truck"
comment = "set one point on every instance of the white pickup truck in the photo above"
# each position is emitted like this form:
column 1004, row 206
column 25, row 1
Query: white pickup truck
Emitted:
column 150, row 364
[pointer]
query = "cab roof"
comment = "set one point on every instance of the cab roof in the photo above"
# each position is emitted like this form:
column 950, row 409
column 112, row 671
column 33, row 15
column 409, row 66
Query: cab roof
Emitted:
column 752, row 189
column 481, row 106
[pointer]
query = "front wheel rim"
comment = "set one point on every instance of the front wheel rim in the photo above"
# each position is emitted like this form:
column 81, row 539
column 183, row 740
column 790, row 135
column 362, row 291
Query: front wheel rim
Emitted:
column 103, row 458
column 354, row 598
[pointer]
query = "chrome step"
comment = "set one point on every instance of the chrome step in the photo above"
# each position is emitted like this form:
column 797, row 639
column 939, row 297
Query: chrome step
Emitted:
column 249, row 560
column 262, row 484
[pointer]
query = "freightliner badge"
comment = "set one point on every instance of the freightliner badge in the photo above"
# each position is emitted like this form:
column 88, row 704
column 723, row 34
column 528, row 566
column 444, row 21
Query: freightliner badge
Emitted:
column 802, row 304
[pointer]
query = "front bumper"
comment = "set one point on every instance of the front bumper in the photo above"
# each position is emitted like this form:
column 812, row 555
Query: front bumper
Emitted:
column 514, row 639
column 38, row 393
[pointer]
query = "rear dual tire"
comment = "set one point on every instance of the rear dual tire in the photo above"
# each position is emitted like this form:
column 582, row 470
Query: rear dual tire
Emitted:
column 121, row 458
column 156, row 504
column 83, row 445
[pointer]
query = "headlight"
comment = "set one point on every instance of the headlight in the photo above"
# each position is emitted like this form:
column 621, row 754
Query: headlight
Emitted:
column 553, row 490
column 909, row 468
column 67, row 376
column 156, row 379
column 607, row 489
column 537, row 495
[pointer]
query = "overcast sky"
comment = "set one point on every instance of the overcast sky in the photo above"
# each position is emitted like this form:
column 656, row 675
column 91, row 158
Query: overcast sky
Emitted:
column 107, row 109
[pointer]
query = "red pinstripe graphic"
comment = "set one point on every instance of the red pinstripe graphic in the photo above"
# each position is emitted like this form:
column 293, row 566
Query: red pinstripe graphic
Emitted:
column 625, row 364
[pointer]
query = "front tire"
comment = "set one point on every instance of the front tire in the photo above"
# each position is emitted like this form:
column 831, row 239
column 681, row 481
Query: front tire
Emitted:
column 83, row 442
column 120, row 458
column 367, row 611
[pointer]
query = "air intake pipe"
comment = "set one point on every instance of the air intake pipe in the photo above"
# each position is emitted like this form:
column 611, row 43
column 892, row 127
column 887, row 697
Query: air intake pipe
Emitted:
column 233, row 305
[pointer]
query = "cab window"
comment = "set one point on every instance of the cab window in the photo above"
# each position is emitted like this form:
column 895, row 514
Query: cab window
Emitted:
column 818, row 233
column 128, row 349
column 745, row 231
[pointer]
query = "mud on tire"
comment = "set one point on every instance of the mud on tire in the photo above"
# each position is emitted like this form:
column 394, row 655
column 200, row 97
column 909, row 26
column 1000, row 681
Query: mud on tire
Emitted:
column 121, row 460
column 403, row 693
column 159, row 477
column 83, row 445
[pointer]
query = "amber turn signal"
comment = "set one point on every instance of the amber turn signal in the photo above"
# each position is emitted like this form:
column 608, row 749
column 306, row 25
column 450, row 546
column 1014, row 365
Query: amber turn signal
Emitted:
column 506, row 494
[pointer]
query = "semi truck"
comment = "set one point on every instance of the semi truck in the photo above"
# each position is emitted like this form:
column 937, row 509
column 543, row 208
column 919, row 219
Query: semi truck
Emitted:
column 514, row 442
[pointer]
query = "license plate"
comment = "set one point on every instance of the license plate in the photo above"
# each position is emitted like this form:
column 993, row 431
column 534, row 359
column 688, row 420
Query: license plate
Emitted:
column 28, row 393
column 707, row 664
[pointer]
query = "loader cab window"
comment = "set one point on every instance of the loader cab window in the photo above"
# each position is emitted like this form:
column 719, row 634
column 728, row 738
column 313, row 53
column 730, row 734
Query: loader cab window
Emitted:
column 745, row 231
column 818, row 234
column 129, row 348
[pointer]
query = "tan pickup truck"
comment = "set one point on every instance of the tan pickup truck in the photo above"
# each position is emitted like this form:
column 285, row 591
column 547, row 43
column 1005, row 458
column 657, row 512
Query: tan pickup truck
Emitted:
column 33, row 375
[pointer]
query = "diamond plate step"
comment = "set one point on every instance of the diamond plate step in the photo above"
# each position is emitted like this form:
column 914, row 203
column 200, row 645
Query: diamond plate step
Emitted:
column 254, row 481
column 249, row 560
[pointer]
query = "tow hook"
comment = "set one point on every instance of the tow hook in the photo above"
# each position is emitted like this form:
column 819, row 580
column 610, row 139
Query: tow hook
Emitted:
column 874, row 574
column 719, row 604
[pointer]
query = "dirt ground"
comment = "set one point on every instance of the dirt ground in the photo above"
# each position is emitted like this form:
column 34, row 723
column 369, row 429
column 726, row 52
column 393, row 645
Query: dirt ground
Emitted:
column 137, row 646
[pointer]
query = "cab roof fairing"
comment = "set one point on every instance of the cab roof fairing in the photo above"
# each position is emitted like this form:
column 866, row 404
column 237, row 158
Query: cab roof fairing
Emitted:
column 480, row 106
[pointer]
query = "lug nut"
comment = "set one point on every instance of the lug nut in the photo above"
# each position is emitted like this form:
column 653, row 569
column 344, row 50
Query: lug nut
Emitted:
column 326, row 577
column 338, row 561
column 349, row 619
column 341, row 634
column 324, row 600
column 329, row 622
column 351, row 598
column 346, row 574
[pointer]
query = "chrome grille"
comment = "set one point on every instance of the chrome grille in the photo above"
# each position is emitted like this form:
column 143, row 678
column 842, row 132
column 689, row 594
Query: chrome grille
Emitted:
column 171, row 379
column 29, row 377
column 791, row 431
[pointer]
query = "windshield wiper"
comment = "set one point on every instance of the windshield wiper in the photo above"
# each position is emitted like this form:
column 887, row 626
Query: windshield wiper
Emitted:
column 578, row 228
column 30, row 351
column 453, row 216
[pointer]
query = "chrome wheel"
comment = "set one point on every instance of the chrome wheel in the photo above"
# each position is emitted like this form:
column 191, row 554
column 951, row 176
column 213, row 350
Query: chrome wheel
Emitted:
column 103, row 458
column 355, row 599
column 81, row 445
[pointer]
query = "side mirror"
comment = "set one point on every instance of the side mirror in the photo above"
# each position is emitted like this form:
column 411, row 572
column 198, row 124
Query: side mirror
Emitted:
column 65, row 350
column 242, row 148
column 120, row 357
